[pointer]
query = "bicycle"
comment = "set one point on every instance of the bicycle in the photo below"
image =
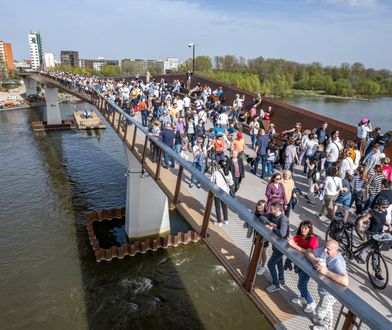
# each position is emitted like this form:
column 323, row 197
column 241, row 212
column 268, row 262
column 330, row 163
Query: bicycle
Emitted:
column 376, row 266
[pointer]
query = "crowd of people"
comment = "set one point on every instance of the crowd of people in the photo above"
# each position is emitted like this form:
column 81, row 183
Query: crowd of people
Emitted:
column 198, row 124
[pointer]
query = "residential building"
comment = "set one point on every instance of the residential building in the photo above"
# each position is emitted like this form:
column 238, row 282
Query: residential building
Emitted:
column 49, row 60
column 69, row 57
column 171, row 64
column 97, row 64
column 6, row 56
column 35, row 46
column 140, row 66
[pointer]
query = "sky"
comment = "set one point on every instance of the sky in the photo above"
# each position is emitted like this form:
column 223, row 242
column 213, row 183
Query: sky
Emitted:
column 327, row 31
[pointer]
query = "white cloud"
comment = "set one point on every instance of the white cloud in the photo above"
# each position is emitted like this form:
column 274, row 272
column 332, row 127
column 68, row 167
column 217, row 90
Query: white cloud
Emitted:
column 354, row 3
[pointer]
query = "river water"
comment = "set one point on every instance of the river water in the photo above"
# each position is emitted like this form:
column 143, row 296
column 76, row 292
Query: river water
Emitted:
column 378, row 110
column 48, row 275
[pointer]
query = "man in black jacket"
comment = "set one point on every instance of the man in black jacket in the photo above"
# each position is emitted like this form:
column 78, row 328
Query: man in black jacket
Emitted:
column 236, row 167
column 277, row 222
column 322, row 134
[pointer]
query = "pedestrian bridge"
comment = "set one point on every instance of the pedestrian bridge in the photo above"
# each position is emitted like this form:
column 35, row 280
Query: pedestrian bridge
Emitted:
column 237, row 254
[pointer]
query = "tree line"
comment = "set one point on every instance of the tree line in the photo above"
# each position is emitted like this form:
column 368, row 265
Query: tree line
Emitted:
column 278, row 77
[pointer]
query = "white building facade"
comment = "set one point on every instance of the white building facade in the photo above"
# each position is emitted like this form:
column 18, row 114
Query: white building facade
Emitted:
column 49, row 60
column 35, row 47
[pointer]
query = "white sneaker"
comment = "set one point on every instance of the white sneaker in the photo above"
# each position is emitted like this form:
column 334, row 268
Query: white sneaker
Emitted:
column 310, row 308
column 298, row 301
column 226, row 222
column 260, row 270
column 220, row 224
column 272, row 288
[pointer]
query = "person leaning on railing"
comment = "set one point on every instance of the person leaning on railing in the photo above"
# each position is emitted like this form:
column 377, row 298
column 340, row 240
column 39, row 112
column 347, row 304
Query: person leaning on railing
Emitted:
column 277, row 222
column 328, row 261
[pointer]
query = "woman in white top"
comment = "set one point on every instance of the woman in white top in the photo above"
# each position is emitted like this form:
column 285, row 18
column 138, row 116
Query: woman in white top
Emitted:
column 223, row 179
column 332, row 186
column 254, row 127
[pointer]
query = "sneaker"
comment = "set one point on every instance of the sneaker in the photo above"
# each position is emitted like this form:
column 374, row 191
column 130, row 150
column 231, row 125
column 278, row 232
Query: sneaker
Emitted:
column 298, row 301
column 226, row 222
column 220, row 224
column 318, row 215
column 190, row 185
column 198, row 185
column 272, row 288
column 260, row 270
column 310, row 308
column 282, row 283
column 379, row 276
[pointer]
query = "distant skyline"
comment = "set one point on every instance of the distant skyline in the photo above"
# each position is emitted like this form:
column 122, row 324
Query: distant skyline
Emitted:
column 327, row 31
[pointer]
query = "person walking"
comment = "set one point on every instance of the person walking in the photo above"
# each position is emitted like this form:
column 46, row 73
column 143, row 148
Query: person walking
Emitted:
column 261, row 153
column 199, row 158
column 236, row 168
column 223, row 179
column 275, row 191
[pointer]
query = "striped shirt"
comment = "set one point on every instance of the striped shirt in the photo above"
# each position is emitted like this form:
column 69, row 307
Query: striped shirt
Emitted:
column 358, row 183
column 374, row 184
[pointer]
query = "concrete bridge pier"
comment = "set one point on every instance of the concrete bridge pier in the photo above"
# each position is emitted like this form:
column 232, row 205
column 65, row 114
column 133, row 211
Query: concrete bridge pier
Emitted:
column 52, row 115
column 31, row 86
column 147, row 212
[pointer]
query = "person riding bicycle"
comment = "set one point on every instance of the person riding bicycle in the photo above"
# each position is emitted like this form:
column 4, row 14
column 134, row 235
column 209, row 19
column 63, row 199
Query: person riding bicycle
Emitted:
column 376, row 218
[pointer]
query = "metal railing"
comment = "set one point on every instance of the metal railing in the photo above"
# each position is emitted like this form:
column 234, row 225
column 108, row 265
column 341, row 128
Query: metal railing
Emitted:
column 356, row 305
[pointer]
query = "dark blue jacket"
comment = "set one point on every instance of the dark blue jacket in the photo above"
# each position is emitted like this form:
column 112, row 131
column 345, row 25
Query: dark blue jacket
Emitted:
column 167, row 137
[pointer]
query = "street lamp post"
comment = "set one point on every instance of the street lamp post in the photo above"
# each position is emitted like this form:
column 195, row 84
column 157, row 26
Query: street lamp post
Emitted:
column 193, row 45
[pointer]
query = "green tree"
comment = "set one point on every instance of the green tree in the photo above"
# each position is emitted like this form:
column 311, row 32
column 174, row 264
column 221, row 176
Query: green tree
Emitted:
column 109, row 70
column 368, row 87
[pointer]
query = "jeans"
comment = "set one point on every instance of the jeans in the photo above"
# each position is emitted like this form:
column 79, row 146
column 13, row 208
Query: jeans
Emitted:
column 270, row 167
column 303, row 280
column 166, row 160
column 199, row 167
column 263, row 159
column 253, row 139
column 276, row 260
column 368, row 203
column 144, row 117
column 218, row 205
column 177, row 148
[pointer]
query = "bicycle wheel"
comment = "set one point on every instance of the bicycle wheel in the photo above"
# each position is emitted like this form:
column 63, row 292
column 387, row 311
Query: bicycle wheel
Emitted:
column 377, row 270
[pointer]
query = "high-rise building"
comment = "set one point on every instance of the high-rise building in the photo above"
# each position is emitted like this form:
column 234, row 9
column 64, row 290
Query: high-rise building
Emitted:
column 35, row 45
column 6, row 58
column 69, row 57
column 49, row 60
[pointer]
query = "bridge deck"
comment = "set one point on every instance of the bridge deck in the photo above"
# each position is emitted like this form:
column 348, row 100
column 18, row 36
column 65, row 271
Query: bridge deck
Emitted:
column 235, row 246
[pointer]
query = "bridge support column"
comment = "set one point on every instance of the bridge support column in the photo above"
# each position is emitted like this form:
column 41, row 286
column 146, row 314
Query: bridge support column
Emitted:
column 147, row 212
column 53, row 115
column 31, row 86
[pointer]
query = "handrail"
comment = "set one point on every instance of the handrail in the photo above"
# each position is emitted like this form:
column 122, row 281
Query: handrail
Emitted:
column 362, row 309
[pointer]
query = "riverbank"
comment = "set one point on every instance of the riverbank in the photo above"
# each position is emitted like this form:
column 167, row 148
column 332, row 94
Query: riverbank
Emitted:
column 298, row 92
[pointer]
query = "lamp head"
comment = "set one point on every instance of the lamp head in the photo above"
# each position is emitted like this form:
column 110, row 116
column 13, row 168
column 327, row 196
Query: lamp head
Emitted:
column 191, row 44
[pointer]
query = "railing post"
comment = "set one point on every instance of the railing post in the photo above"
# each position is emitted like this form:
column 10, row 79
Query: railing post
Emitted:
column 157, row 173
column 248, row 283
column 349, row 322
column 119, row 123
column 125, row 131
column 134, row 139
column 114, row 116
column 178, row 185
column 207, row 214
column 144, row 150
